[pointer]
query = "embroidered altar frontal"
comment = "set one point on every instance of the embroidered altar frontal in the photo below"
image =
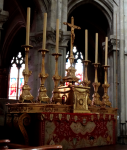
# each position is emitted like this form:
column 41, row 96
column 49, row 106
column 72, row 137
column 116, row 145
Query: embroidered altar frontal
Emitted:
column 77, row 130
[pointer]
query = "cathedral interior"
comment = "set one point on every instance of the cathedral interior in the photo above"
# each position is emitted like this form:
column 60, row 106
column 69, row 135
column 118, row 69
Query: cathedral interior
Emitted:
column 105, row 17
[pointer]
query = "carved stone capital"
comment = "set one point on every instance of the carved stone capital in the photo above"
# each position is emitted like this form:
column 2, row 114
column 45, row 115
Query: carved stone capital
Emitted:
column 36, row 38
column 113, row 44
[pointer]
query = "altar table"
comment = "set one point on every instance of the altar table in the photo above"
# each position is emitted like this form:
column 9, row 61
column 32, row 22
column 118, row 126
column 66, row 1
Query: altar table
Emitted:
column 71, row 130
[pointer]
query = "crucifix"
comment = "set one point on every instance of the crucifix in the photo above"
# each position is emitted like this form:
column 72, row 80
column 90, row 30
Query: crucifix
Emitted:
column 73, row 27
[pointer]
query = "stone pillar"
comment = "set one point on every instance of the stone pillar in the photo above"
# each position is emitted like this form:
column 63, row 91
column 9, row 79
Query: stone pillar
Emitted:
column 122, row 63
column 59, row 12
column 3, row 18
column 113, row 70
column 125, row 55
column 3, row 71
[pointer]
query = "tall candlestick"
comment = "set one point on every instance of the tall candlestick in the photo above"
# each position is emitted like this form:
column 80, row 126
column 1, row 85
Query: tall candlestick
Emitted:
column 28, row 26
column 57, row 35
column 44, row 31
column 86, row 44
column 96, row 49
column 106, row 50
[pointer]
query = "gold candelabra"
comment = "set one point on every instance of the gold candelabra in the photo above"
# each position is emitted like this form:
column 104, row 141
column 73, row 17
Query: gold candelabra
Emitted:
column 42, row 95
column 26, row 95
column 96, row 97
column 85, row 81
column 105, row 97
column 55, row 94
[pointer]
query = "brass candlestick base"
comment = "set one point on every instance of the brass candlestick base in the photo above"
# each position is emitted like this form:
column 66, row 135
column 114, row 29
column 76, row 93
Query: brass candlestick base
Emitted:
column 55, row 94
column 42, row 95
column 105, row 97
column 26, row 95
column 96, row 97
column 85, row 81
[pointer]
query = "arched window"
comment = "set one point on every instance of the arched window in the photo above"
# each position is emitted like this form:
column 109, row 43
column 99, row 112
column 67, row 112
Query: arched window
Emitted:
column 78, row 63
column 16, row 78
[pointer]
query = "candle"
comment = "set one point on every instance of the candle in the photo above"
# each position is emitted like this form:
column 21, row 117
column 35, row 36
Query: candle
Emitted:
column 96, row 49
column 57, row 35
column 28, row 26
column 44, row 30
column 106, row 50
column 86, row 44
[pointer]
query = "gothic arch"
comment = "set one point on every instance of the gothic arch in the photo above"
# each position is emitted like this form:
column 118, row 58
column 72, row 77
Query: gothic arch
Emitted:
column 105, row 6
column 9, row 39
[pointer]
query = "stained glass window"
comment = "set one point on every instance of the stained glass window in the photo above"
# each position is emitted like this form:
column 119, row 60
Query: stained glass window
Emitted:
column 16, row 78
column 78, row 63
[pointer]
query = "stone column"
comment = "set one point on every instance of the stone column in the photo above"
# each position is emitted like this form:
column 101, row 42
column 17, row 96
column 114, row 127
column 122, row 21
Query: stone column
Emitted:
column 3, row 71
column 59, row 12
column 125, row 55
column 122, row 62
column 113, row 70
column 3, row 18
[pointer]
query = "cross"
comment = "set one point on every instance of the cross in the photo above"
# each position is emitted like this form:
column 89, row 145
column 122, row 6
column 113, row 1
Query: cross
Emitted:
column 73, row 27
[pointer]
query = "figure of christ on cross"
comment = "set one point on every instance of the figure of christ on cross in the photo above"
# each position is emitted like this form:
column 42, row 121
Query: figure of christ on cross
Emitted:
column 73, row 27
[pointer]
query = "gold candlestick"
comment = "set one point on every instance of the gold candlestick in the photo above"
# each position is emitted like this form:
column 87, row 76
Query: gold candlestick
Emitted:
column 96, row 97
column 55, row 94
column 42, row 95
column 85, row 81
column 105, row 97
column 26, row 95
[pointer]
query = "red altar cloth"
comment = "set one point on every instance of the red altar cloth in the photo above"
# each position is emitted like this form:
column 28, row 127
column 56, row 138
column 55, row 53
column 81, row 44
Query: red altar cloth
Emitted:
column 74, row 130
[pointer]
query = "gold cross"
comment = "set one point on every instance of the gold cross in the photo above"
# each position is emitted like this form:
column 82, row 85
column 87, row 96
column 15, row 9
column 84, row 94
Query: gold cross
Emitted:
column 73, row 27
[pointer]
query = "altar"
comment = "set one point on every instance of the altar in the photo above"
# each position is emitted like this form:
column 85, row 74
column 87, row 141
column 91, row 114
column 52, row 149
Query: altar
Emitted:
column 69, row 118
column 71, row 130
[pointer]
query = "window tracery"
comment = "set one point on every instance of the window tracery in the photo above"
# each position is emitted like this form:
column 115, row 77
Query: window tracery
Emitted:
column 16, row 78
column 78, row 63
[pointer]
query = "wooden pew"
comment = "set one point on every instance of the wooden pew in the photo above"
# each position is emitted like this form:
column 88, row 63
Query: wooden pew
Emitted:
column 45, row 147
column 6, row 145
